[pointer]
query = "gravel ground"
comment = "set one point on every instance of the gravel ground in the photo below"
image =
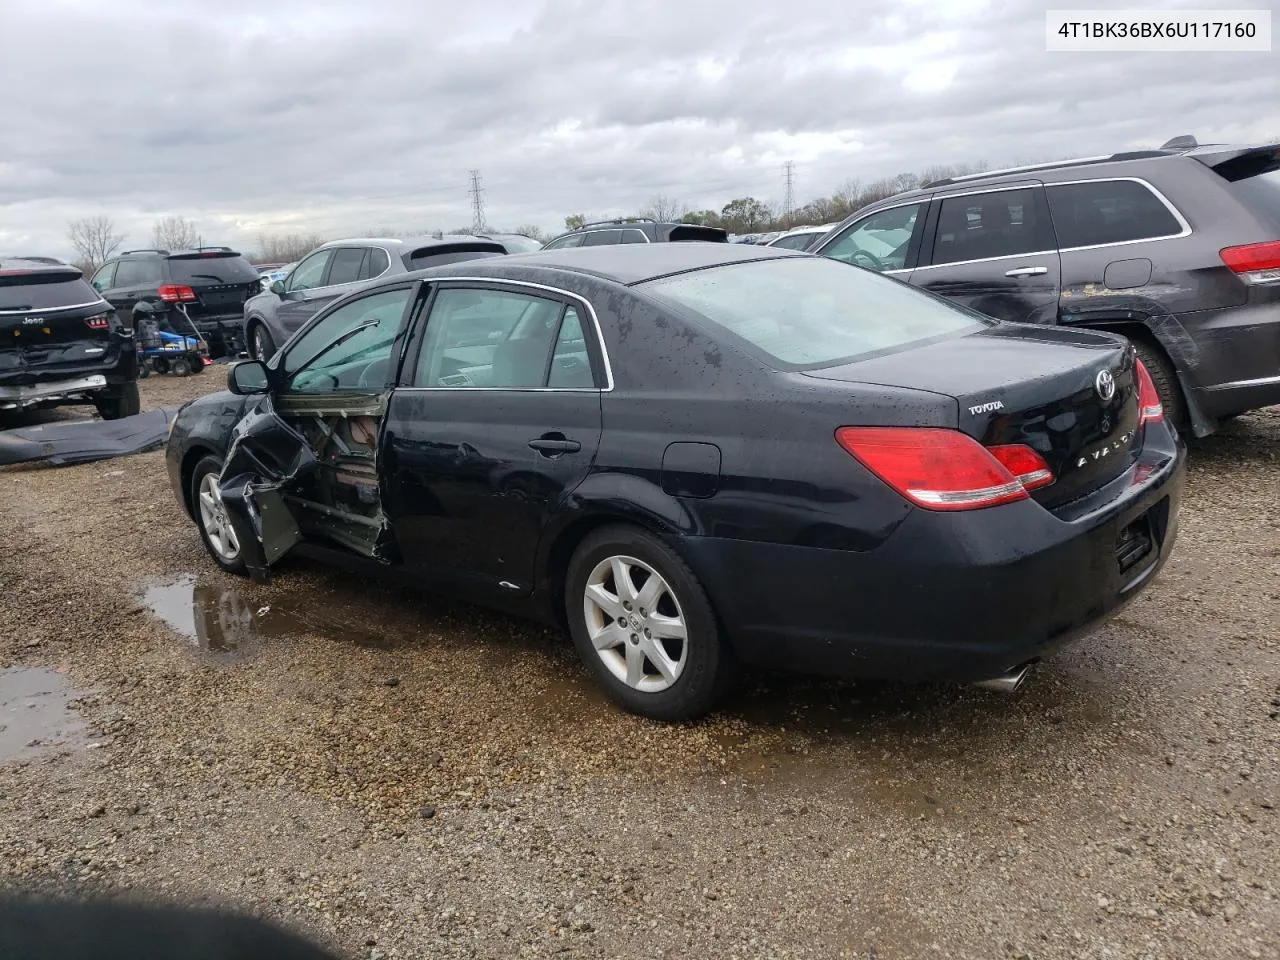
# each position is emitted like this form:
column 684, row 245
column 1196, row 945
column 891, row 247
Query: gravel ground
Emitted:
column 402, row 776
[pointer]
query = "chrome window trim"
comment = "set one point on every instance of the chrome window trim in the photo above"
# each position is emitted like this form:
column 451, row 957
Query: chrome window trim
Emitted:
column 583, row 233
column 1177, row 214
column 1005, row 256
column 69, row 306
column 530, row 285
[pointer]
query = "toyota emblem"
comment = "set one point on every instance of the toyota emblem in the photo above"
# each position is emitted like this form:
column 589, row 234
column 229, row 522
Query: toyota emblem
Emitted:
column 1105, row 384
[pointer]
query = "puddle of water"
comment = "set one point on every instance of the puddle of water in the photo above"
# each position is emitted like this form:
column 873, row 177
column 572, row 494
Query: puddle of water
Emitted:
column 219, row 619
column 36, row 714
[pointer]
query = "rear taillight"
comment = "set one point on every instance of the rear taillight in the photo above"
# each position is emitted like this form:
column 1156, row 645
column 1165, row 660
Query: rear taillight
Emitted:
column 1254, row 262
column 101, row 322
column 1027, row 466
column 945, row 469
column 176, row 293
column 1150, row 409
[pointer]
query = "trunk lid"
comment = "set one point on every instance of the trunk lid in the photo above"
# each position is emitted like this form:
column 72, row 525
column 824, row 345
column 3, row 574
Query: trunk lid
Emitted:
column 1045, row 387
column 51, row 318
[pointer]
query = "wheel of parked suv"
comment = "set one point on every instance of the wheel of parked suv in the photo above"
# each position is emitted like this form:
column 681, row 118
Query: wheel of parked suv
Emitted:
column 261, row 346
column 644, row 626
column 124, row 403
column 211, row 516
column 1165, row 379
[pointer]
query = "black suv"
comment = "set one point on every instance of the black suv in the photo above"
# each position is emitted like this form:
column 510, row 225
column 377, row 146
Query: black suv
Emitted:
column 1178, row 249
column 62, row 343
column 203, row 288
column 634, row 230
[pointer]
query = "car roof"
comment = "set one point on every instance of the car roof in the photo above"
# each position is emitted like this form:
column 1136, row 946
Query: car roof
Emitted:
column 408, row 243
column 19, row 265
column 627, row 264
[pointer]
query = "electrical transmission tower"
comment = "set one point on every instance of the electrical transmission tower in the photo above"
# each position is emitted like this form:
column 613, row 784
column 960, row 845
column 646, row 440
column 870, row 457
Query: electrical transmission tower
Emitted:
column 789, row 199
column 477, row 203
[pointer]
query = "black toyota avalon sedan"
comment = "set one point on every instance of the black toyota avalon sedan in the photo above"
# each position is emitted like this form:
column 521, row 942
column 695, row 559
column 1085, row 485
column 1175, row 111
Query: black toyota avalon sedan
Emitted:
column 697, row 455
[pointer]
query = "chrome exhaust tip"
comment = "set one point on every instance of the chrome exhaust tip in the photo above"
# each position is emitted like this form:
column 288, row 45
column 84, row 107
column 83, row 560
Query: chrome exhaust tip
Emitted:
column 1006, row 682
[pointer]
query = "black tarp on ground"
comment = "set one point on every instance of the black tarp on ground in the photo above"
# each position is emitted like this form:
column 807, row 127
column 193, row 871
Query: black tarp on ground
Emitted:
column 80, row 441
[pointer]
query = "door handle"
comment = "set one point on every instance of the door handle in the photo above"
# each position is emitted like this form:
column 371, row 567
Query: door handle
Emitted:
column 553, row 446
column 1026, row 272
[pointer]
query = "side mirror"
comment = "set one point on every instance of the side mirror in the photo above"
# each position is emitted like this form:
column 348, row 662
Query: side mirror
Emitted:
column 248, row 377
column 277, row 287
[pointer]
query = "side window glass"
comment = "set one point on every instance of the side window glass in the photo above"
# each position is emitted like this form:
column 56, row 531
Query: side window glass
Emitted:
column 602, row 238
column 102, row 279
column 349, row 349
column 1001, row 224
column 347, row 262
column 1108, row 211
column 878, row 242
column 633, row 236
column 573, row 240
column 487, row 338
column 132, row 273
column 310, row 272
column 570, row 363
column 375, row 263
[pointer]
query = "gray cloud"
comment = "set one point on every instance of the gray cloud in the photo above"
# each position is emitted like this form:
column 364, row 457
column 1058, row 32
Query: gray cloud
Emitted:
column 340, row 117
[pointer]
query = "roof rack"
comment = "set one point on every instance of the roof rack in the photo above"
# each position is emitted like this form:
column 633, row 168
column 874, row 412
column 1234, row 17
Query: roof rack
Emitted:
column 210, row 248
column 600, row 223
column 147, row 250
column 1052, row 165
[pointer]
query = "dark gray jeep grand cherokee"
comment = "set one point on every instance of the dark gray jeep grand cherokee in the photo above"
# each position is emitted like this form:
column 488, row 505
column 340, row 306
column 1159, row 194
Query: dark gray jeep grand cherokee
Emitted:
column 1177, row 248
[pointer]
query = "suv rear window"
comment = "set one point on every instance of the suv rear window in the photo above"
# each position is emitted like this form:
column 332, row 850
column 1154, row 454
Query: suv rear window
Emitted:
column 1108, row 211
column 812, row 311
column 45, row 291
column 212, row 268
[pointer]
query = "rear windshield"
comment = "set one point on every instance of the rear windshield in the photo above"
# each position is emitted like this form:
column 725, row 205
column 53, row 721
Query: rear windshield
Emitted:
column 46, row 291
column 218, row 268
column 812, row 311
column 688, row 232
column 439, row 255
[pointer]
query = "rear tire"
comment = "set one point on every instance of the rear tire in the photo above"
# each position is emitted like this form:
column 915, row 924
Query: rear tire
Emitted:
column 124, row 403
column 180, row 367
column 654, row 645
column 1165, row 378
column 196, row 362
column 211, row 519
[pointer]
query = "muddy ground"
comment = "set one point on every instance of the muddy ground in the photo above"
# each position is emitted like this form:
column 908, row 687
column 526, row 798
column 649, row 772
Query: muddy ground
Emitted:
column 403, row 776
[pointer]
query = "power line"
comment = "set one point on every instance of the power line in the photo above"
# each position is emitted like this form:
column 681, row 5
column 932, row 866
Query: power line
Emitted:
column 789, row 199
column 477, row 203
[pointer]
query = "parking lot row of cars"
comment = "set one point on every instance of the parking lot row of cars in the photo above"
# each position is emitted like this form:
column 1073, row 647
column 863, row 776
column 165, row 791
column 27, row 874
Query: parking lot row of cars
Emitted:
column 691, row 453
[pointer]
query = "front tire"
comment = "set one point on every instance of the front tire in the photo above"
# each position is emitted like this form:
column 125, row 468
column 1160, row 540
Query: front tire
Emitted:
column 123, row 403
column 644, row 626
column 261, row 346
column 216, row 532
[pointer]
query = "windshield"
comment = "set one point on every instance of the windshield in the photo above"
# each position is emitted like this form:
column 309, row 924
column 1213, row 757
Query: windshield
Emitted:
column 215, row 269
column 810, row 312
column 519, row 244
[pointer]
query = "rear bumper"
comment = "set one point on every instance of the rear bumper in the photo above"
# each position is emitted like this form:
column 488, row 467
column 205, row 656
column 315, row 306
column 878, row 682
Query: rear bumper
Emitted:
column 33, row 385
column 950, row 597
column 25, row 396
column 1237, row 355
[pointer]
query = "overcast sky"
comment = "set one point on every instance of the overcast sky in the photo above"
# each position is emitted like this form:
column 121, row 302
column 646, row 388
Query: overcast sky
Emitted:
column 341, row 117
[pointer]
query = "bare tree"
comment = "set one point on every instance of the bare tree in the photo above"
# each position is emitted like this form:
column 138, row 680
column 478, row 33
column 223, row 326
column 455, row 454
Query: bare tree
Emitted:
column 287, row 248
column 175, row 233
column 528, row 230
column 95, row 240
column 662, row 208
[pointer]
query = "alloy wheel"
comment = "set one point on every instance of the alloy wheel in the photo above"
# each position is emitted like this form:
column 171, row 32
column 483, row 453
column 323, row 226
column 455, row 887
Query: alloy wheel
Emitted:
column 636, row 624
column 214, row 520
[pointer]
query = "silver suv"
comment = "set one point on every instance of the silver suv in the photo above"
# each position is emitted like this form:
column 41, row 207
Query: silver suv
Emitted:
column 1177, row 249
